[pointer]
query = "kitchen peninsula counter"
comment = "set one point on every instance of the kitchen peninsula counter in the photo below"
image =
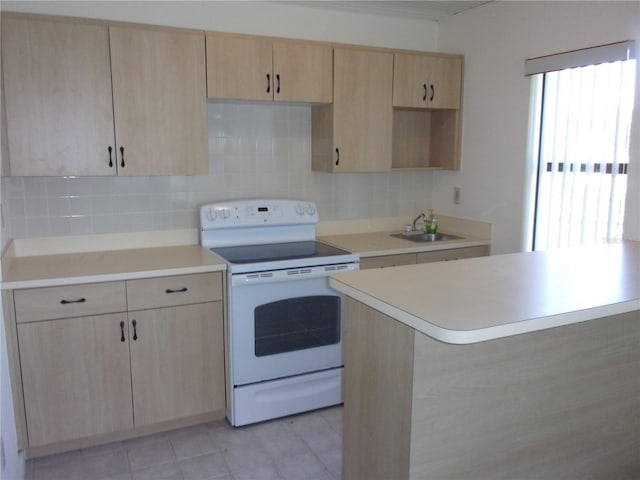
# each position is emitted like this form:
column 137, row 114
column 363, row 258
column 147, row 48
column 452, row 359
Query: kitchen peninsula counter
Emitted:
column 491, row 297
column 510, row 366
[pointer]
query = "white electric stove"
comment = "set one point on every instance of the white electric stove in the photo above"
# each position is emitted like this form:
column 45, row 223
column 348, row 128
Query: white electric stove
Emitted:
column 284, row 327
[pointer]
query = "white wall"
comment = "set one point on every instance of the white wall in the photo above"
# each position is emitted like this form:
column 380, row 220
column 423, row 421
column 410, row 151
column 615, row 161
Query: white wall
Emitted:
column 496, row 39
column 632, row 213
column 254, row 17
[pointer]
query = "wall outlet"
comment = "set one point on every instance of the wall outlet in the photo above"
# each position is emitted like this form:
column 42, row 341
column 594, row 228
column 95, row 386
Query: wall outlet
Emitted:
column 456, row 195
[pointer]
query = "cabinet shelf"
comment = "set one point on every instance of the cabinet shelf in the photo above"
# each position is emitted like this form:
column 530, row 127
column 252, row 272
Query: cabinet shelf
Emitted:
column 426, row 139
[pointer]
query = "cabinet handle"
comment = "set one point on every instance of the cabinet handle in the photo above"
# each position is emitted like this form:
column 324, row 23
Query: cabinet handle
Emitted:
column 277, row 83
column 424, row 97
column 337, row 156
column 135, row 332
column 122, row 155
column 433, row 92
column 67, row 302
column 268, row 82
column 122, row 331
column 179, row 290
column 110, row 159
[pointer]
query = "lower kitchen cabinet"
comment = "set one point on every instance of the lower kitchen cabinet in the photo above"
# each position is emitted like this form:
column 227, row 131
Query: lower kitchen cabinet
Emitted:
column 75, row 376
column 423, row 257
column 177, row 362
column 387, row 261
column 111, row 358
column 452, row 254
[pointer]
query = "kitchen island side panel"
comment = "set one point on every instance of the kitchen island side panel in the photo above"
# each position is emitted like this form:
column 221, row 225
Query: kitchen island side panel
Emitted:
column 558, row 403
column 377, row 394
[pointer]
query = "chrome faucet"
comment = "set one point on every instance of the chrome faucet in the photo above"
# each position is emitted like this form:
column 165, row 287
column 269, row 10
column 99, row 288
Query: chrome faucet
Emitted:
column 421, row 216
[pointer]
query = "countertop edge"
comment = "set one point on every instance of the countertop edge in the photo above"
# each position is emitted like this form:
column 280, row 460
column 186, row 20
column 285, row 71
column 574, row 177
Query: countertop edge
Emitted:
column 110, row 277
column 466, row 337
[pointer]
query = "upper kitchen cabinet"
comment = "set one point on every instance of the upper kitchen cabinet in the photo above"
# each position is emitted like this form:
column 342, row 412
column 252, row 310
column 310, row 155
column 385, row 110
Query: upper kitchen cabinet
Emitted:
column 159, row 101
column 85, row 98
column 256, row 68
column 426, row 81
column 354, row 133
column 57, row 82
column 427, row 111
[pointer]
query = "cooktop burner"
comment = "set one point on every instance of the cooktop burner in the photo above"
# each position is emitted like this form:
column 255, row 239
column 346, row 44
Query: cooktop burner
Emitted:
column 246, row 254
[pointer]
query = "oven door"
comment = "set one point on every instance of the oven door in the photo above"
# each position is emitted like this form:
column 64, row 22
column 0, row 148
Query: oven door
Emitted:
column 283, row 323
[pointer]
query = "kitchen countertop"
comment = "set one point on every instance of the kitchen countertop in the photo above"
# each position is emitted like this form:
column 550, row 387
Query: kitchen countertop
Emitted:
column 53, row 261
column 374, row 244
column 113, row 265
column 485, row 298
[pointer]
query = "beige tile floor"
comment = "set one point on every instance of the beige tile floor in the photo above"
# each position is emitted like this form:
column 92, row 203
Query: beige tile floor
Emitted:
column 301, row 447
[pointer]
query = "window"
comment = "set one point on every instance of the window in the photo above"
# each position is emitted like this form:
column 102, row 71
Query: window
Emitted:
column 581, row 125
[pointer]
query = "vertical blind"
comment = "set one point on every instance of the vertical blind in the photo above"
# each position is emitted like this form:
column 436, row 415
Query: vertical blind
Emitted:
column 583, row 149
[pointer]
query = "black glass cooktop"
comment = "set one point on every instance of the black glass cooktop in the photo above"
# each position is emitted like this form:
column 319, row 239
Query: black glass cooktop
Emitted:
column 277, row 251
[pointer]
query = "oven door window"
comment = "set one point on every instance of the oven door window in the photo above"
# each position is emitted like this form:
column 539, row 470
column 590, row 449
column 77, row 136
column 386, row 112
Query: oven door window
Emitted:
column 297, row 324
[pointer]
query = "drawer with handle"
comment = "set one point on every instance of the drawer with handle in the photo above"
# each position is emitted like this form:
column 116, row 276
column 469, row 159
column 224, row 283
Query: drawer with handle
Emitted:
column 49, row 303
column 176, row 290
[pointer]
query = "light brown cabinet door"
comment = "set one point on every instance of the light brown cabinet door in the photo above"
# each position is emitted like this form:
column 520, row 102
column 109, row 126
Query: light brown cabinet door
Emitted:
column 302, row 72
column 177, row 362
column 147, row 293
column 445, row 76
column 159, row 101
column 254, row 68
column 66, row 301
column 57, row 83
column 75, row 375
column 423, row 81
column 362, row 110
column 410, row 85
column 239, row 68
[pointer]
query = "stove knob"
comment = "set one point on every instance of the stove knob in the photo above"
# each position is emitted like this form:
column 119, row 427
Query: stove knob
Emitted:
column 225, row 213
column 212, row 214
column 300, row 209
column 310, row 210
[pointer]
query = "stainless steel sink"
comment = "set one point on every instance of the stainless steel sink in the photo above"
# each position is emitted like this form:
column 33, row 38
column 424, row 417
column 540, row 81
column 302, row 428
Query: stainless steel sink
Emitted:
column 425, row 237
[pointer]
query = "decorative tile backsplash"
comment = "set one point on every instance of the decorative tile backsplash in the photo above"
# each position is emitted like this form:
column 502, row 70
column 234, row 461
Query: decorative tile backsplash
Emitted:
column 255, row 150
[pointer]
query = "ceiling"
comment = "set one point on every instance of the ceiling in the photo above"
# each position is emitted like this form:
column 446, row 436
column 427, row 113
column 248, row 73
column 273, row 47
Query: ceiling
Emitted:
column 422, row 10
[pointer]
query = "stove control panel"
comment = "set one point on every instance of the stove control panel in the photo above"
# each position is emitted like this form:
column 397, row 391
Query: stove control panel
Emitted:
column 213, row 214
column 303, row 209
column 258, row 212
column 263, row 211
